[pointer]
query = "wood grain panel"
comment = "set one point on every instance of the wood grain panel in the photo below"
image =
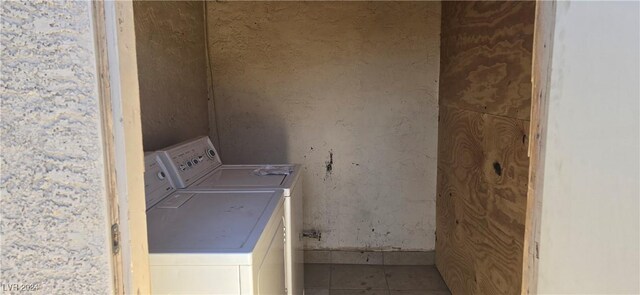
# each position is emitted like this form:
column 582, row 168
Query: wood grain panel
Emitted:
column 482, row 189
column 486, row 57
column 541, row 64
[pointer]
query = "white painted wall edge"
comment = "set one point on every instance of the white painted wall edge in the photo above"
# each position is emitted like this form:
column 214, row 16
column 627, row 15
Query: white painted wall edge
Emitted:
column 590, row 230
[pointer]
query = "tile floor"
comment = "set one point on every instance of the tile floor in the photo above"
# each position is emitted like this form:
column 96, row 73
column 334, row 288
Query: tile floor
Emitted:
column 351, row 279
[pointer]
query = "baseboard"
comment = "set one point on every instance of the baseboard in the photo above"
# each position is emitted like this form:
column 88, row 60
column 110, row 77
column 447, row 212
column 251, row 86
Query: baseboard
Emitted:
column 370, row 257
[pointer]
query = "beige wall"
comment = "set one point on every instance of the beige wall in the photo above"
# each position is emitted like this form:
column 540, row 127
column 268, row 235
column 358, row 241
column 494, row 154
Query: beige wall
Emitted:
column 53, row 204
column 172, row 71
column 589, row 234
column 349, row 90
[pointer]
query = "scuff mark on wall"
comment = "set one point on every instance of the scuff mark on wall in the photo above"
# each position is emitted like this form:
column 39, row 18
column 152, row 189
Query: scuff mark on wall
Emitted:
column 329, row 165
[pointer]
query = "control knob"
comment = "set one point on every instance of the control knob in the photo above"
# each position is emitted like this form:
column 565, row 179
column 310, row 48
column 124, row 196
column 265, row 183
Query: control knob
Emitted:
column 211, row 154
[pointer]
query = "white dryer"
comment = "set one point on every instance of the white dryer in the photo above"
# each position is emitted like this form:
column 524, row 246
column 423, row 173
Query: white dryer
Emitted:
column 222, row 242
column 195, row 166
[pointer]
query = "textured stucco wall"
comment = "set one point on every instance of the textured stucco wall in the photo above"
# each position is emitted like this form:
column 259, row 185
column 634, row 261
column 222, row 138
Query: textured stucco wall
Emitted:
column 349, row 90
column 172, row 70
column 54, row 219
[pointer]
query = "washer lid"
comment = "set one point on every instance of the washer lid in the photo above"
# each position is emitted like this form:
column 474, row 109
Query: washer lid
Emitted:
column 214, row 222
column 243, row 176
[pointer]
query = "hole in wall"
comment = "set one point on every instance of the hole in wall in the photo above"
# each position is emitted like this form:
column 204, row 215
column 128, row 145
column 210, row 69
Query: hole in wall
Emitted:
column 497, row 168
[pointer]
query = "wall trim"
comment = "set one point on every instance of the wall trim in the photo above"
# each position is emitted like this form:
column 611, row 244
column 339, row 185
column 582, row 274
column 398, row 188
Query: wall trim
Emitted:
column 540, row 74
column 122, row 142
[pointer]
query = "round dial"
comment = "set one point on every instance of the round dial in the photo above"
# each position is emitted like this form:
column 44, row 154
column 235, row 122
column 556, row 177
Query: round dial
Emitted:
column 189, row 164
column 211, row 154
column 195, row 161
column 161, row 175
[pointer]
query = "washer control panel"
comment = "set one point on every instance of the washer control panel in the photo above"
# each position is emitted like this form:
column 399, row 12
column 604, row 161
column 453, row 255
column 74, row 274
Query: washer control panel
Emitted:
column 190, row 160
column 157, row 184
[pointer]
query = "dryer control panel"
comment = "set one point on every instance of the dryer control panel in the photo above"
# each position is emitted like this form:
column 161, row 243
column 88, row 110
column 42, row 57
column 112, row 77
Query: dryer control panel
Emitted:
column 157, row 184
column 190, row 160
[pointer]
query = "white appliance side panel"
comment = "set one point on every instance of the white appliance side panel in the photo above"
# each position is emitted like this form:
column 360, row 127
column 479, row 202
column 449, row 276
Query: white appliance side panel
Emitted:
column 246, row 280
column 270, row 275
column 191, row 279
column 201, row 259
column 295, row 251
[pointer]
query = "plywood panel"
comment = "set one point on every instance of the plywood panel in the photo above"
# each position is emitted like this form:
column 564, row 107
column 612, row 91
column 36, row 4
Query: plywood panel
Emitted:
column 482, row 188
column 486, row 57
column 485, row 100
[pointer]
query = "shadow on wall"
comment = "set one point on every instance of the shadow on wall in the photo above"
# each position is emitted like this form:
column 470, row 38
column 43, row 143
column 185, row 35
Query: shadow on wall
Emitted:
column 254, row 123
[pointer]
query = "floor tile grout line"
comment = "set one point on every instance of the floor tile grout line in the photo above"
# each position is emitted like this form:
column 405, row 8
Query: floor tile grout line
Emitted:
column 384, row 272
column 330, row 273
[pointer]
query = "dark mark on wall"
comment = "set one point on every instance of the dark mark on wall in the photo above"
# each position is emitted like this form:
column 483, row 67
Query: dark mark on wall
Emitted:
column 524, row 138
column 497, row 168
column 355, row 164
column 329, row 164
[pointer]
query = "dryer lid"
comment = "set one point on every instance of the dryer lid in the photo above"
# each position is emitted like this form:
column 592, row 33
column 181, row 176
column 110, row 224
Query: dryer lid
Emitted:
column 213, row 222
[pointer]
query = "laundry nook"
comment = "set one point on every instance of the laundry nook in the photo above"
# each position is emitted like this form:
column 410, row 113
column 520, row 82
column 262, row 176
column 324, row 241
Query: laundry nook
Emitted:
column 337, row 147
column 320, row 147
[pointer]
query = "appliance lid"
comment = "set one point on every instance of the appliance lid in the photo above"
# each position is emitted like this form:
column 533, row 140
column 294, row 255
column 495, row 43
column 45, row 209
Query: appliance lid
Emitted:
column 213, row 222
column 239, row 177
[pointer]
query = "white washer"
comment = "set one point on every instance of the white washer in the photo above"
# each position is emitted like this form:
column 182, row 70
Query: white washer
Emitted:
column 195, row 166
column 222, row 242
